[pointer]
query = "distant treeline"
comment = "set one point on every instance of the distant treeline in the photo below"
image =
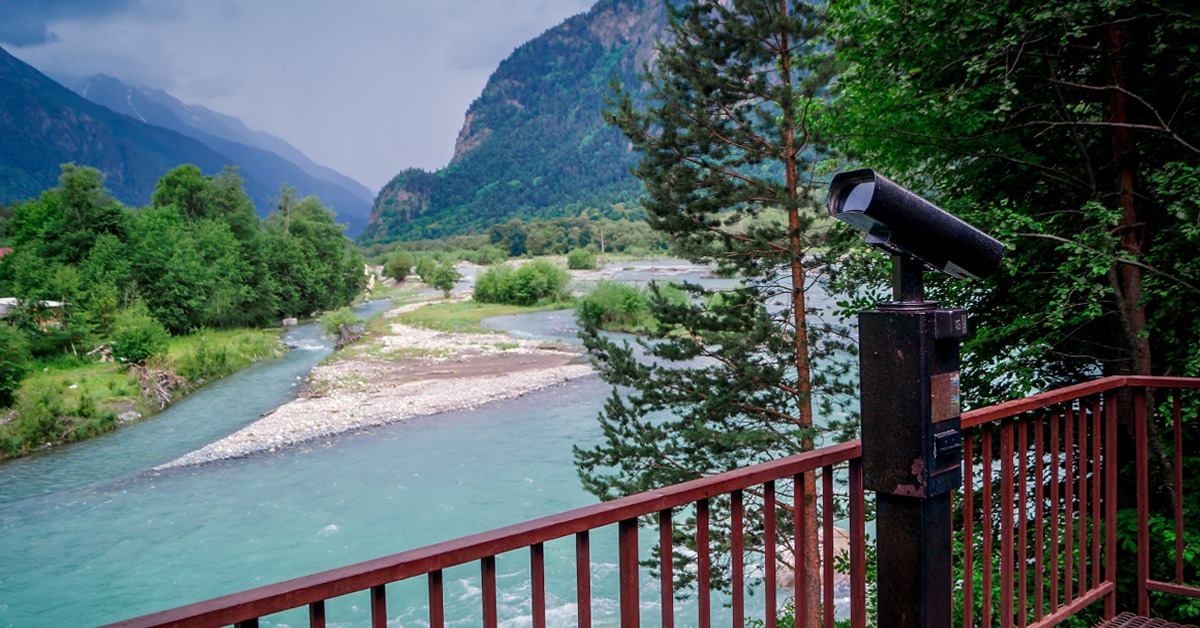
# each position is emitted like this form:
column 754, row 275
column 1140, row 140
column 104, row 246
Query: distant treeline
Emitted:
column 595, row 232
column 197, row 257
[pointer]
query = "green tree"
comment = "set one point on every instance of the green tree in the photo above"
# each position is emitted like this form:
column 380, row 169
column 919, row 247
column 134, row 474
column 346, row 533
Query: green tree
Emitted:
column 64, row 222
column 5, row 222
column 14, row 358
column 138, row 336
column 729, row 139
column 510, row 236
column 1067, row 129
column 188, row 190
column 312, row 263
column 168, row 266
column 443, row 277
column 539, row 280
column 399, row 264
column 1047, row 123
column 581, row 259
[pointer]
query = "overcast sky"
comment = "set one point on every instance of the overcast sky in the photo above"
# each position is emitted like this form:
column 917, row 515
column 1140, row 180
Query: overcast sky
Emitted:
column 367, row 87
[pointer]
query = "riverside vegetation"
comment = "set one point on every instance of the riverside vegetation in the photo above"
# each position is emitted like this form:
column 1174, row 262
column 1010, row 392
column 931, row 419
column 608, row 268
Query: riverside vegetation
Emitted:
column 166, row 292
column 172, row 292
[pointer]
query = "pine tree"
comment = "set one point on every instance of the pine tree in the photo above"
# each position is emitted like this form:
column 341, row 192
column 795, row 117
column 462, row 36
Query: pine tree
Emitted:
column 728, row 130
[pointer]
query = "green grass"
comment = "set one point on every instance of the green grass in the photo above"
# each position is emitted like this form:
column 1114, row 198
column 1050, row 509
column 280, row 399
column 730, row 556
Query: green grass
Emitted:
column 400, row 293
column 69, row 399
column 466, row 316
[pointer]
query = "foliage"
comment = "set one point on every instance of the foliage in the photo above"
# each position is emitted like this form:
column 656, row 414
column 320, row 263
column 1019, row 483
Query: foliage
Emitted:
column 69, row 400
column 14, row 352
column 628, row 234
column 531, row 283
column 211, row 354
column 729, row 138
column 1045, row 123
column 488, row 255
column 463, row 316
column 137, row 336
column 438, row 273
column 581, row 259
column 1062, row 128
column 198, row 257
column 332, row 322
column 399, row 264
column 614, row 306
column 617, row 306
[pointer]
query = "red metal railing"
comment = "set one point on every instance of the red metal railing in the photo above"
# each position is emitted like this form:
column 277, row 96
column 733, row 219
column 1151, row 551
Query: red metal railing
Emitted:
column 1038, row 514
column 745, row 508
column 1040, row 526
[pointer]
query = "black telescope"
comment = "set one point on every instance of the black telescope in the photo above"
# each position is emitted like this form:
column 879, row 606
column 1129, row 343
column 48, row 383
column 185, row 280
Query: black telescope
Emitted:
column 912, row 445
column 902, row 223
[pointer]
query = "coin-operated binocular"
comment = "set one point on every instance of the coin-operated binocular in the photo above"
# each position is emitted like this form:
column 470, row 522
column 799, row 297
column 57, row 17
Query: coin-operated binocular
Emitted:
column 909, row 348
column 909, row 373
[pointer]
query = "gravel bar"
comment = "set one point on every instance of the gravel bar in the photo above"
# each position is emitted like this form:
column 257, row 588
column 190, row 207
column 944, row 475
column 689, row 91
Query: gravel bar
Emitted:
column 367, row 385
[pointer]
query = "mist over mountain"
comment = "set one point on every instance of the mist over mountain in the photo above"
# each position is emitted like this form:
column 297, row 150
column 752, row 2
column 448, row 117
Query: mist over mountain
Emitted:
column 136, row 136
column 534, row 144
column 157, row 107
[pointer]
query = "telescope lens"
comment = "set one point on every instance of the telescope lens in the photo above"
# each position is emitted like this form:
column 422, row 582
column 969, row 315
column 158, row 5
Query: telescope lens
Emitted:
column 858, row 197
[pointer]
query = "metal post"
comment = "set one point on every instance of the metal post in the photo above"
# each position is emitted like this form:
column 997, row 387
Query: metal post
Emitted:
column 912, row 446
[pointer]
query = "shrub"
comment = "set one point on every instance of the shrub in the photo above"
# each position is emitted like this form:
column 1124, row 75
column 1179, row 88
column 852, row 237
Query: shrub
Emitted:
column 443, row 277
column 617, row 306
column 398, row 265
column 14, row 353
column 138, row 336
column 333, row 321
column 581, row 259
column 533, row 282
column 614, row 306
column 488, row 255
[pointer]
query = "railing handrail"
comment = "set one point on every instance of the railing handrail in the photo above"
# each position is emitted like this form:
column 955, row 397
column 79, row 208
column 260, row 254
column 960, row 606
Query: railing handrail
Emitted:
column 289, row 594
column 1012, row 408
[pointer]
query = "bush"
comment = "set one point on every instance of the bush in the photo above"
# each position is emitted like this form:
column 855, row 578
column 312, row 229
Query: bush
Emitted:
column 533, row 282
column 443, row 277
column 614, row 306
column 488, row 255
column 138, row 336
column 14, row 353
column 333, row 321
column 398, row 265
column 581, row 259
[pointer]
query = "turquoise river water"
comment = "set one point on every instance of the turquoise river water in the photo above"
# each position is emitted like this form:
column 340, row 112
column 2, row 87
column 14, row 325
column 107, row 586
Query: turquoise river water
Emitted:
column 90, row 534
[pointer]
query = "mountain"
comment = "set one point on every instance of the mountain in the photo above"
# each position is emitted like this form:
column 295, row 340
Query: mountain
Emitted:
column 44, row 124
column 534, row 144
column 154, row 106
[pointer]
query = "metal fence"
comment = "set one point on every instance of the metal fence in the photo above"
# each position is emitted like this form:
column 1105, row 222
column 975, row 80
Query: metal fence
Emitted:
column 1037, row 517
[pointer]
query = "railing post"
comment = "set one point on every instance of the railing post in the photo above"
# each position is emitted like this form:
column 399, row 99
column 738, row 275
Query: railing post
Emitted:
column 627, row 532
column 912, row 447
column 1143, row 500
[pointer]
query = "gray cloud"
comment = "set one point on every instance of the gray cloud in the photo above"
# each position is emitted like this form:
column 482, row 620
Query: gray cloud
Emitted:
column 367, row 87
column 27, row 22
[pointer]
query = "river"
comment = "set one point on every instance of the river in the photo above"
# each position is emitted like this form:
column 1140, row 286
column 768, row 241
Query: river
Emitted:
column 89, row 535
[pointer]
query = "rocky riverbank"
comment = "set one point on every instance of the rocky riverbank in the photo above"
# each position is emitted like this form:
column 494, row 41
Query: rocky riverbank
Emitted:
column 403, row 373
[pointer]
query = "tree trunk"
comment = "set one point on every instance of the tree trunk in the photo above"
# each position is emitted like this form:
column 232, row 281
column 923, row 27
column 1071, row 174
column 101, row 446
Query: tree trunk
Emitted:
column 812, row 563
column 1127, row 278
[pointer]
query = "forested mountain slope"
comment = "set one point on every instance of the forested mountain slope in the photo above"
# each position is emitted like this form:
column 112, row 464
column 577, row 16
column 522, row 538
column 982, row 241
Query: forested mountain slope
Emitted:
column 534, row 144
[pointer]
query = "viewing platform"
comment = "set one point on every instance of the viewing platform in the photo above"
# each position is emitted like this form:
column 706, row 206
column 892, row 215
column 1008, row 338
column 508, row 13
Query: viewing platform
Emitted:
column 1053, row 486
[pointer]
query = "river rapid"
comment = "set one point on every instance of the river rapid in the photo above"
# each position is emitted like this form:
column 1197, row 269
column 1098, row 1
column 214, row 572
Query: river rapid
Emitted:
column 90, row 534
